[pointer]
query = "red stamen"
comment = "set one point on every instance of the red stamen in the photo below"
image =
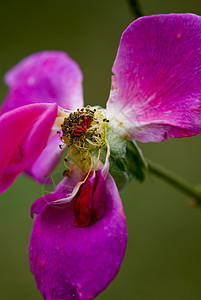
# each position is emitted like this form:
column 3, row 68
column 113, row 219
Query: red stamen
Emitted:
column 89, row 121
column 79, row 127
column 82, row 128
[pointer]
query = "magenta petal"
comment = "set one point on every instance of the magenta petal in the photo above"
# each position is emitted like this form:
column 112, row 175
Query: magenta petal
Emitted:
column 47, row 161
column 77, row 263
column 48, row 76
column 156, row 89
column 24, row 133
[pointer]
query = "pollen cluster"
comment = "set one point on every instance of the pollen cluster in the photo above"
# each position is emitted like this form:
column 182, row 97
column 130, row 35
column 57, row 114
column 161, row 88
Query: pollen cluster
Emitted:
column 84, row 129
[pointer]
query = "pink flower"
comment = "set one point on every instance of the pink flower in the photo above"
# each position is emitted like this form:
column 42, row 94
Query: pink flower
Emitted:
column 79, row 234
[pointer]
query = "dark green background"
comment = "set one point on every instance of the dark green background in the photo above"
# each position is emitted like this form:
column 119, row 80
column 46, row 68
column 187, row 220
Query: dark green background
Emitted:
column 163, row 258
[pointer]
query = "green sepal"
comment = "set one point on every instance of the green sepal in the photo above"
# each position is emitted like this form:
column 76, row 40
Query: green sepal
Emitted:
column 123, row 169
column 119, row 172
column 117, row 144
column 126, row 159
column 135, row 161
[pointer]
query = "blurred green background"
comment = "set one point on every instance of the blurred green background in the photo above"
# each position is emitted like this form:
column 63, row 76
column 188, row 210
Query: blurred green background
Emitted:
column 163, row 258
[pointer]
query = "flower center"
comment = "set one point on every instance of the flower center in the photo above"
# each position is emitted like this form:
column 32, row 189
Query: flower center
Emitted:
column 84, row 132
column 84, row 129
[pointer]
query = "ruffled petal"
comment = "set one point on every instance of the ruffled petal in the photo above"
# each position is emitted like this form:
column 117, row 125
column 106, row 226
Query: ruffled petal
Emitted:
column 48, row 76
column 156, row 87
column 71, row 262
column 24, row 133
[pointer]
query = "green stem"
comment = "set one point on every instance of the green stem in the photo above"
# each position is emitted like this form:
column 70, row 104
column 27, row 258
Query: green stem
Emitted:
column 175, row 180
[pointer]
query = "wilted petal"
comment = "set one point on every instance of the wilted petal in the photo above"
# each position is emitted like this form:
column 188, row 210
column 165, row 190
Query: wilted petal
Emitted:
column 90, row 199
column 41, row 203
column 156, row 89
column 84, row 203
column 99, row 196
column 64, row 189
column 71, row 262
column 24, row 133
column 48, row 76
